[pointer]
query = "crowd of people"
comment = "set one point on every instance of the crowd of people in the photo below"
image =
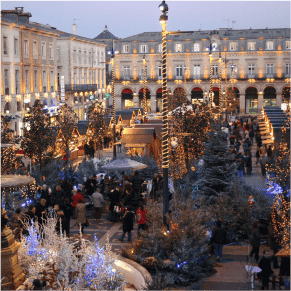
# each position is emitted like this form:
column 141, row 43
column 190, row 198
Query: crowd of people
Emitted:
column 244, row 134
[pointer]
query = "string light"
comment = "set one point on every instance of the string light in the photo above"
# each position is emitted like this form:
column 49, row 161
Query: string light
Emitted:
column 220, row 88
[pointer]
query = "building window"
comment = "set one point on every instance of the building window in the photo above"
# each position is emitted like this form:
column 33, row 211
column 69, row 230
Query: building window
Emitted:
column 215, row 71
column 232, row 46
column 179, row 72
column 196, row 72
column 80, row 56
column 98, row 59
column 59, row 55
column 17, row 87
column 18, row 106
column 160, row 72
column 44, row 81
column 196, row 47
column 251, row 46
column 287, row 69
column 80, row 78
column 214, row 46
column 270, row 45
column 5, row 45
column 251, row 71
column 43, row 50
column 26, row 76
column 143, row 48
column 89, row 58
column 34, row 48
column 52, row 81
column 178, row 47
column 6, row 81
column 125, row 49
column 26, row 48
column 126, row 72
column 35, row 81
column 288, row 44
column 51, row 51
column 74, row 56
column 160, row 49
column 85, row 57
column 270, row 70
column 141, row 73
column 75, row 78
column 16, row 48
column 85, row 78
column 233, row 70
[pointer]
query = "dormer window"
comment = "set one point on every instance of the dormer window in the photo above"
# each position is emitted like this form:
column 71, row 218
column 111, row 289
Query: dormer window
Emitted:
column 196, row 47
column 270, row 45
column 178, row 47
column 143, row 48
column 251, row 46
column 126, row 49
column 232, row 46
column 214, row 46
column 160, row 49
column 288, row 44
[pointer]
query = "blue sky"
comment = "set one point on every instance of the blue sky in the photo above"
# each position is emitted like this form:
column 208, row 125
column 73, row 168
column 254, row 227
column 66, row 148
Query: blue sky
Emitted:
column 126, row 18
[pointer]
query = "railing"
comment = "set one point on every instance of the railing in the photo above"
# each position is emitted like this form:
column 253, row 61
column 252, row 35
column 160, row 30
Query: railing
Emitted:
column 80, row 88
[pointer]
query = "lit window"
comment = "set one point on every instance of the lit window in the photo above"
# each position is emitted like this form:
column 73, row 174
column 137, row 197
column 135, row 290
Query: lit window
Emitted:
column 178, row 48
column 288, row 44
column 232, row 46
column 270, row 45
column 196, row 72
column 196, row 47
column 251, row 46
column 214, row 46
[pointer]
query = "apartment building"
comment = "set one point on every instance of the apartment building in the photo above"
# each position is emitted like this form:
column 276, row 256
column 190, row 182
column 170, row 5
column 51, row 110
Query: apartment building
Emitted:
column 255, row 63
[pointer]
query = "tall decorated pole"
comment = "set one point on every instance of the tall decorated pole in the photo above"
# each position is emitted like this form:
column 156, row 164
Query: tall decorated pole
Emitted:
column 113, row 104
column 165, row 135
column 144, row 89
column 210, row 78
column 220, row 87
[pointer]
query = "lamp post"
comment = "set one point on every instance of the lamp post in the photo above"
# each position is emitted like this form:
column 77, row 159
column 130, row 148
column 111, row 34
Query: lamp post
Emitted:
column 163, row 7
column 112, row 52
column 144, row 90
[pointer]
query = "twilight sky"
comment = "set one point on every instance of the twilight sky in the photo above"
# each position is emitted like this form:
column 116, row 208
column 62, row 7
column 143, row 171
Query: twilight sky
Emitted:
column 126, row 18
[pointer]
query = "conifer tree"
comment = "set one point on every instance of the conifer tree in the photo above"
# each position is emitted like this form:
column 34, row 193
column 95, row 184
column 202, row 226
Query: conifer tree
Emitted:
column 38, row 136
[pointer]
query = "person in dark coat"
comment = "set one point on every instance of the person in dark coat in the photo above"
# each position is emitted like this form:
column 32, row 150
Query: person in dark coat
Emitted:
column 61, row 223
column 255, row 241
column 249, row 164
column 127, row 223
column 58, row 196
column 92, row 151
column 218, row 239
column 86, row 150
column 259, row 140
column 41, row 211
column 30, row 214
column 89, row 187
column 115, row 199
column 45, row 194
column 264, row 275
column 67, row 188
column 251, row 135
column 68, row 212
column 136, row 181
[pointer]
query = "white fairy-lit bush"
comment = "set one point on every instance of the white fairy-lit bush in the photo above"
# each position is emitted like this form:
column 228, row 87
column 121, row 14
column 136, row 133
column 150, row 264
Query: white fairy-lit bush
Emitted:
column 65, row 264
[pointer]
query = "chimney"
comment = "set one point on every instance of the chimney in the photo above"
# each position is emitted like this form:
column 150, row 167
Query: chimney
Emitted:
column 105, row 29
column 74, row 28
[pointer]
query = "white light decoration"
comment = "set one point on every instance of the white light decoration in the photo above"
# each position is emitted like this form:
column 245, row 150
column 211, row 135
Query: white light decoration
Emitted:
column 284, row 106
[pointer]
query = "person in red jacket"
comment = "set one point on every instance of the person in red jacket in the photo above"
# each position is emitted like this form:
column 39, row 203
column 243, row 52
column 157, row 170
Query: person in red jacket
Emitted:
column 75, row 199
column 141, row 215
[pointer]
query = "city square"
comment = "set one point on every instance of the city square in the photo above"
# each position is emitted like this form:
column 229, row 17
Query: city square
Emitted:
column 146, row 152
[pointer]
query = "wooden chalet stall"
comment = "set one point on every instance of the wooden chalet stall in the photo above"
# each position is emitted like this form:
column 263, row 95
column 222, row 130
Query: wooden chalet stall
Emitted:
column 82, row 128
column 141, row 141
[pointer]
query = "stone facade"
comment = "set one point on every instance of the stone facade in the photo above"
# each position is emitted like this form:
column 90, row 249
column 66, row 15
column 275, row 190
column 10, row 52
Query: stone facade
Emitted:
column 254, row 62
column 82, row 63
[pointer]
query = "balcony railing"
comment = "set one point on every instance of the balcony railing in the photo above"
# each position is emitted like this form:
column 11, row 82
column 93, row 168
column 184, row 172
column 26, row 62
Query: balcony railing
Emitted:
column 80, row 88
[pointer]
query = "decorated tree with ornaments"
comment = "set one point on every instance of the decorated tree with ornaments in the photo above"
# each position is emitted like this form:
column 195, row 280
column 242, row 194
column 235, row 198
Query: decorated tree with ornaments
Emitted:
column 177, row 256
column 67, row 138
column 38, row 141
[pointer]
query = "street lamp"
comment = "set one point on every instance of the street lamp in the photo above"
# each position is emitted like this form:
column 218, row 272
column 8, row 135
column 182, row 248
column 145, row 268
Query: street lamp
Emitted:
column 165, row 142
column 112, row 52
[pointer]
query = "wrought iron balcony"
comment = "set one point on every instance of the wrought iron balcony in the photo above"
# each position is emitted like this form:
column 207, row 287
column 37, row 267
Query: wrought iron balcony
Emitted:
column 80, row 88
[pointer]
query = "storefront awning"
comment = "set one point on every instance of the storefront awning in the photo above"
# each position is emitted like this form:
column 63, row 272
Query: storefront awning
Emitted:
column 135, row 145
column 268, row 141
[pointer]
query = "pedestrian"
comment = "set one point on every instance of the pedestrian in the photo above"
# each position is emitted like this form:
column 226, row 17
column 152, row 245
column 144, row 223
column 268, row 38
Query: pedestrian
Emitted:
column 75, row 201
column 249, row 164
column 30, row 214
column 263, row 161
column 269, row 151
column 258, row 155
column 41, row 211
column 141, row 216
column 92, row 151
column 45, row 194
column 114, row 197
column 136, row 181
column 17, row 225
column 218, row 239
column 86, row 150
column 58, row 196
column 251, row 135
column 98, row 200
column 127, row 223
column 81, row 217
column 61, row 225
column 68, row 211
column 237, row 145
column 265, row 266
column 255, row 241
column 259, row 140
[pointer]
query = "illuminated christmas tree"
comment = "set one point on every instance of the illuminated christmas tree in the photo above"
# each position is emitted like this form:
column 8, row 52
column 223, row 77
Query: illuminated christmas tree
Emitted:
column 66, row 124
column 38, row 141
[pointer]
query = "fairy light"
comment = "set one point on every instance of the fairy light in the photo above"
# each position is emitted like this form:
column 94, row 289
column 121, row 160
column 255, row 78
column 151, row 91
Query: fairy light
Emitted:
column 144, row 88
column 211, row 73
column 113, row 90
column 220, row 88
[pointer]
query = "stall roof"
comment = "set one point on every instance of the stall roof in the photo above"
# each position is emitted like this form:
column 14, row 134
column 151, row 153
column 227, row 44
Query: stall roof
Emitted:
column 138, row 135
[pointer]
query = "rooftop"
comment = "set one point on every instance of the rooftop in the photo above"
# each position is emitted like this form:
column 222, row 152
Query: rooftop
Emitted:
column 105, row 34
